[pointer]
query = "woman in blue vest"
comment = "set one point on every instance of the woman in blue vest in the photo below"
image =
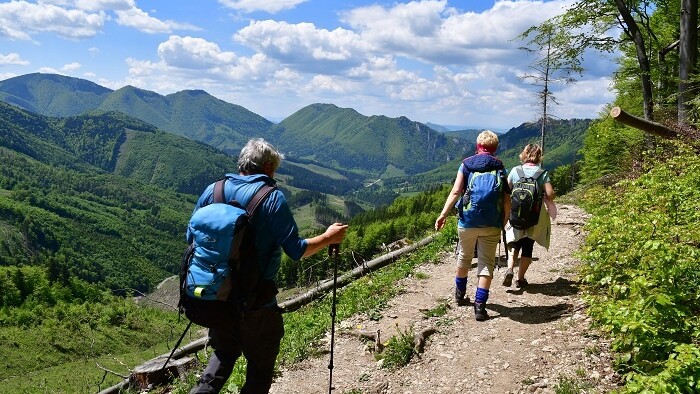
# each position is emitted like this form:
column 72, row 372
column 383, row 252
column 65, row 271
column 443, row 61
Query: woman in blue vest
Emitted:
column 483, row 211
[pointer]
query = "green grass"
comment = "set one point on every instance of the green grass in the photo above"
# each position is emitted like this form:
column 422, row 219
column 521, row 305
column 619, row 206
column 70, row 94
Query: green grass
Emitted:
column 70, row 356
column 421, row 275
column 367, row 294
column 321, row 170
column 392, row 172
column 399, row 350
column 304, row 216
column 438, row 311
column 568, row 385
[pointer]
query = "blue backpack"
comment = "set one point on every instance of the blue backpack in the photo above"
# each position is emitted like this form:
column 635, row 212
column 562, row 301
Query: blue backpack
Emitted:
column 482, row 202
column 219, row 276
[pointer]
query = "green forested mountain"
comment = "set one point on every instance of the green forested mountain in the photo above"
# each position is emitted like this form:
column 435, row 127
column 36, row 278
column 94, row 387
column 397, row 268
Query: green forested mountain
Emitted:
column 52, row 95
column 115, row 143
column 74, row 240
column 193, row 114
column 102, row 193
column 90, row 225
column 562, row 142
column 468, row 135
column 382, row 146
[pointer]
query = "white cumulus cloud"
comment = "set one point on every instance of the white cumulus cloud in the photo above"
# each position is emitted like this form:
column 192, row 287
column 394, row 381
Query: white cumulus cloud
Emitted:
column 13, row 58
column 19, row 20
column 142, row 21
column 193, row 53
column 70, row 67
column 304, row 45
column 79, row 19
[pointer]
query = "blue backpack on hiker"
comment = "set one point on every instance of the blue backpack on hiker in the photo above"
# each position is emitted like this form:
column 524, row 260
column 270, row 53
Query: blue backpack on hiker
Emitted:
column 482, row 202
column 219, row 276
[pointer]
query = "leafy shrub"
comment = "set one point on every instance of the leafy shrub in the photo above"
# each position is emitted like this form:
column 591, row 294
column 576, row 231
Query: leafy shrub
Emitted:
column 641, row 273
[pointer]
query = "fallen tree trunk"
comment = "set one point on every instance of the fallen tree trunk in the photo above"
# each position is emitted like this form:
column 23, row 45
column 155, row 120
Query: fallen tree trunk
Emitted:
column 298, row 302
column 152, row 372
column 621, row 116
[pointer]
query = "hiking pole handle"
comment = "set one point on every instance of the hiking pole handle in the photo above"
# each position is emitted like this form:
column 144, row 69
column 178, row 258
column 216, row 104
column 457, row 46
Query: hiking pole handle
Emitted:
column 333, row 250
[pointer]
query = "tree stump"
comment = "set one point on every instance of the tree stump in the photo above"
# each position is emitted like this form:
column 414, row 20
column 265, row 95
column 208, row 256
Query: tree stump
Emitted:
column 153, row 373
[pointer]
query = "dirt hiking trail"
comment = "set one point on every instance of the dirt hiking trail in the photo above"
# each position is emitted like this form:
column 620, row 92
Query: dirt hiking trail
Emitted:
column 537, row 338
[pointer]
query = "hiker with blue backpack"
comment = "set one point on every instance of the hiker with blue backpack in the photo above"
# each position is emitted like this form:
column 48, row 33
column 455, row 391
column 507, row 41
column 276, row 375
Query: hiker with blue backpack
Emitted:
column 528, row 222
column 482, row 197
column 251, row 323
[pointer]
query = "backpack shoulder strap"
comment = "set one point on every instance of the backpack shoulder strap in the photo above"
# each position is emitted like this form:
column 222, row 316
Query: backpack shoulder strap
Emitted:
column 218, row 193
column 538, row 173
column 259, row 196
column 519, row 170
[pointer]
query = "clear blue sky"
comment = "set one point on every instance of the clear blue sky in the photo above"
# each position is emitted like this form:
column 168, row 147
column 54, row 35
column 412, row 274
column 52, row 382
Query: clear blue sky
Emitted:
column 444, row 62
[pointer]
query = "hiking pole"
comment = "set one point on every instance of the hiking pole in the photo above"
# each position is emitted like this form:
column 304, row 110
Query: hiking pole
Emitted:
column 179, row 341
column 505, row 244
column 333, row 251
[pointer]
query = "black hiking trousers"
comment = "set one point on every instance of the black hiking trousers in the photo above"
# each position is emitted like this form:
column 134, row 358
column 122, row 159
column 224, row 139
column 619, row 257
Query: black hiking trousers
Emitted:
column 257, row 337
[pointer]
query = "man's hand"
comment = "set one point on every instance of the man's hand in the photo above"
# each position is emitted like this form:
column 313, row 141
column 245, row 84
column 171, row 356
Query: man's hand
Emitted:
column 335, row 233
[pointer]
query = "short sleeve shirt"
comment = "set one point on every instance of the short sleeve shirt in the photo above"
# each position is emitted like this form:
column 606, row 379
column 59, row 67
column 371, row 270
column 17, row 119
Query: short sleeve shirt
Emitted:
column 529, row 170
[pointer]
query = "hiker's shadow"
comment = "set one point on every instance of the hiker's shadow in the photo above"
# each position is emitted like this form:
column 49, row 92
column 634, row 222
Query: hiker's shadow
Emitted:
column 537, row 314
column 559, row 288
column 533, row 314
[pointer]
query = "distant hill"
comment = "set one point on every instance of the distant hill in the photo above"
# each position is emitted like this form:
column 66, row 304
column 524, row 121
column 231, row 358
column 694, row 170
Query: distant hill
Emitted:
column 448, row 128
column 437, row 127
column 331, row 136
column 563, row 140
column 382, row 146
column 194, row 114
column 468, row 135
column 115, row 143
column 52, row 95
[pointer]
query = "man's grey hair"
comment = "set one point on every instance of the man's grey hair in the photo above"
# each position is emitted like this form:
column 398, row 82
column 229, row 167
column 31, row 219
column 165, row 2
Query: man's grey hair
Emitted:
column 256, row 154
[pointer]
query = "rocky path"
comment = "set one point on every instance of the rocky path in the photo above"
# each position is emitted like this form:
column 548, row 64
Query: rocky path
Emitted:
column 537, row 339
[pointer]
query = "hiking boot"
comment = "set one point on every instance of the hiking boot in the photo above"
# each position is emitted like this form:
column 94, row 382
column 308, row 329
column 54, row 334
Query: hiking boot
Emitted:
column 508, row 279
column 520, row 283
column 480, row 313
column 460, row 298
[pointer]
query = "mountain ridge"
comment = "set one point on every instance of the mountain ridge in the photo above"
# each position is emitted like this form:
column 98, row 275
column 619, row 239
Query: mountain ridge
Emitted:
column 336, row 138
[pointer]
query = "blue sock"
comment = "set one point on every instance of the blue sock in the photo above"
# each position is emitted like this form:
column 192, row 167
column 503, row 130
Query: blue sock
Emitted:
column 481, row 295
column 461, row 283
